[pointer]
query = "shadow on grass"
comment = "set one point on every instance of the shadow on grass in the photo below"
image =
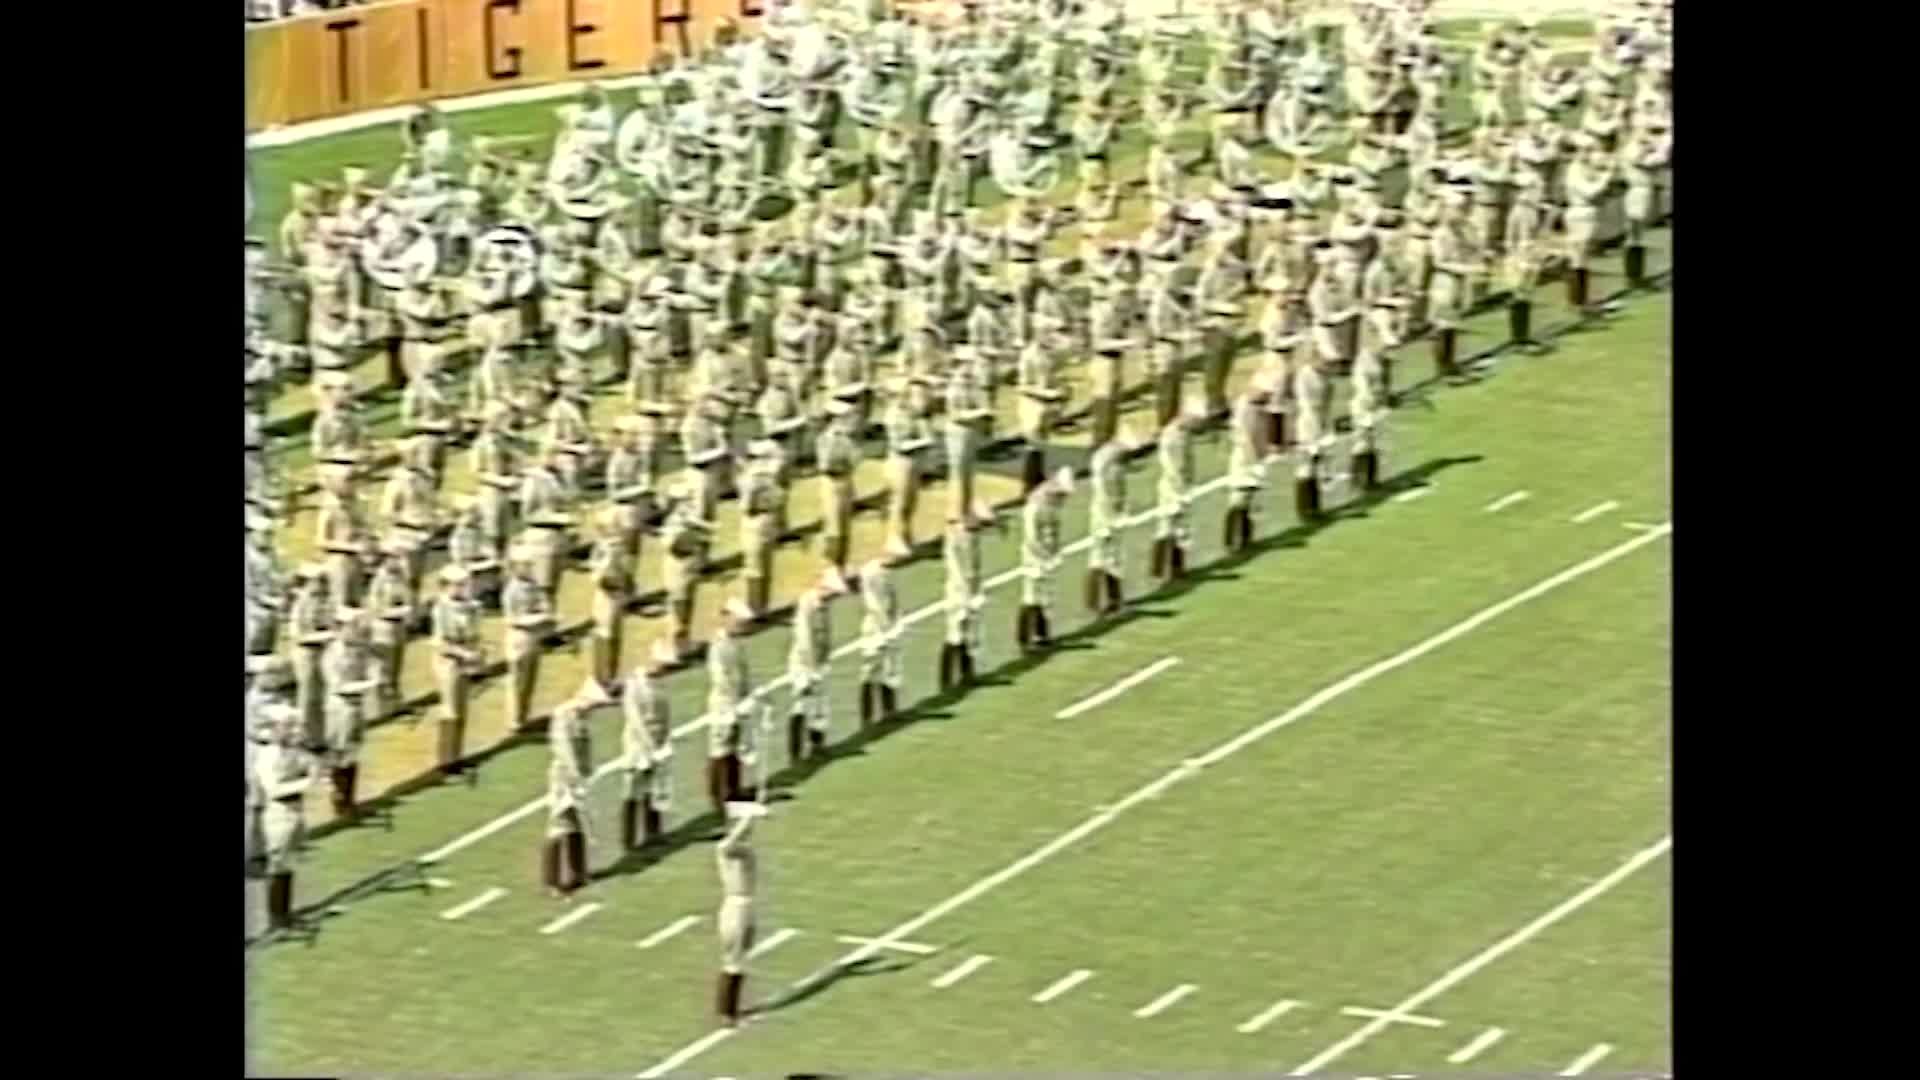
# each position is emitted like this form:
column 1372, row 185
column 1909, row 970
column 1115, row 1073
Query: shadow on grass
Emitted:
column 938, row 707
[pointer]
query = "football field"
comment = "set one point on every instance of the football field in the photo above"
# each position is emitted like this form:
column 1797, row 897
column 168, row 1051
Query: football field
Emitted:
column 1388, row 795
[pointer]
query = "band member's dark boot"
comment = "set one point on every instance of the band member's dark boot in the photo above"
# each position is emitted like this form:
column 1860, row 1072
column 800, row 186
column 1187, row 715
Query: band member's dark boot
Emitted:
column 550, row 865
column 1636, row 266
column 759, row 593
column 868, row 703
column 1363, row 471
column 1167, row 399
column 889, row 704
column 650, row 825
column 280, row 901
column 1230, row 530
column 1157, row 562
column 1091, row 591
column 723, row 1000
column 1042, row 633
column 1520, row 321
column 946, row 667
column 717, row 786
column 337, row 791
column 731, row 783
column 1276, row 432
column 396, row 371
column 629, row 825
column 1305, row 495
column 796, row 737
column 1176, row 561
column 966, row 666
column 1444, row 340
column 1577, row 288
column 1023, row 632
column 735, row 984
column 1033, row 470
column 1386, row 380
column 448, row 743
column 1116, row 597
column 576, row 861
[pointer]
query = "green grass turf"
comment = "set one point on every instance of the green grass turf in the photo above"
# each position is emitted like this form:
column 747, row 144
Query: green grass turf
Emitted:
column 1349, row 859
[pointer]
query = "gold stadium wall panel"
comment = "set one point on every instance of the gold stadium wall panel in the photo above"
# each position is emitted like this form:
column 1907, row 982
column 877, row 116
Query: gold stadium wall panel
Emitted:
column 418, row 50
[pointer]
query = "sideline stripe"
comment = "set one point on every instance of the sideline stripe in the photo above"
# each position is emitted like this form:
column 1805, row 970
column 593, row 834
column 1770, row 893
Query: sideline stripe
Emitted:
column 1116, row 689
column 1193, row 765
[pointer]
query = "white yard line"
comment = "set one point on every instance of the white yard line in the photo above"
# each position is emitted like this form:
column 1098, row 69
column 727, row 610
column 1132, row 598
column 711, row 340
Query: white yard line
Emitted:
column 1507, row 500
column 1587, row 1060
column 439, row 883
column 688, row 1052
column 973, row 964
column 1066, row 983
column 1416, row 493
column 1493, row 952
column 1116, row 689
column 1274, row 1012
column 1191, row 766
column 1472, row 1050
column 1392, row 1017
column 903, row 946
column 1164, row 1001
column 1636, row 526
column 571, row 917
column 1592, row 512
column 768, row 688
column 461, row 911
column 779, row 938
column 670, row 930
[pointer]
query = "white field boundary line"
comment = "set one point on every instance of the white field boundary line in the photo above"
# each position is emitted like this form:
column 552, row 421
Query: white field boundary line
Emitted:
column 1164, row 1001
column 767, row 689
column 1472, row 1050
column 1507, row 500
column 1488, row 955
column 1587, row 1060
column 1190, row 767
column 1392, row 1017
column 1592, row 512
column 1061, row 986
column 571, row 917
column 912, row 948
column 1274, row 1012
column 461, row 911
column 1116, row 689
column 779, row 938
column 973, row 964
column 672, row 929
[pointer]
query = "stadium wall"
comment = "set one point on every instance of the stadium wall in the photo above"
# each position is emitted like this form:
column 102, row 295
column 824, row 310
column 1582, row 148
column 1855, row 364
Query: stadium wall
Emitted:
column 406, row 51
column 318, row 75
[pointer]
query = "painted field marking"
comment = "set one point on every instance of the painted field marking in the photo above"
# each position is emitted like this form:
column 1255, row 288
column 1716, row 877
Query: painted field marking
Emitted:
column 1587, row 1060
column 1592, row 512
column 766, row 690
column 972, row 964
column 1392, row 1017
column 1507, row 500
column 571, row 917
column 1164, row 1001
column 1416, row 493
column 1190, row 767
column 670, row 930
column 1637, row 526
column 1274, row 1012
column 461, row 911
column 439, row 883
column 1117, row 689
column 1066, row 983
column 1472, row 1050
column 1493, row 952
column 903, row 946
column 687, row 1053
column 779, row 938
